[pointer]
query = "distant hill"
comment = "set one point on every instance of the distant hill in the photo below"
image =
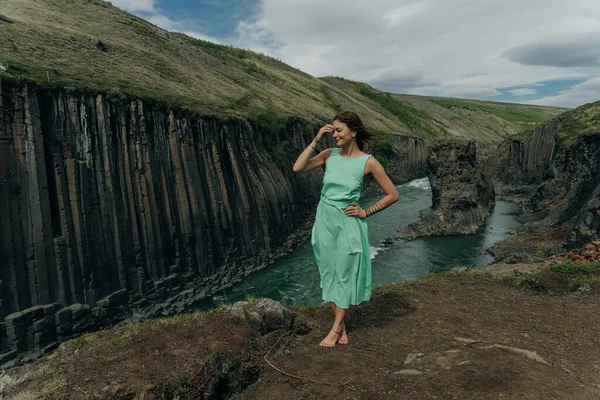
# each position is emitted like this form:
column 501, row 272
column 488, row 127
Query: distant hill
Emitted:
column 91, row 45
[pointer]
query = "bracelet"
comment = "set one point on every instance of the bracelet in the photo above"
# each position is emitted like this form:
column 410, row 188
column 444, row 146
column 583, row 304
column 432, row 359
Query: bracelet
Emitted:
column 313, row 149
column 373, row 209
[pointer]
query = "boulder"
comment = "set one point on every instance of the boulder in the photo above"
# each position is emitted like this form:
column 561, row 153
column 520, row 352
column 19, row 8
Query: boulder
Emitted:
column 266, row 315
column 4, row 18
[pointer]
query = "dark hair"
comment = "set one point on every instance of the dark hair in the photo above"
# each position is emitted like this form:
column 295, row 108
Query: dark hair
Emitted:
column 352, row 120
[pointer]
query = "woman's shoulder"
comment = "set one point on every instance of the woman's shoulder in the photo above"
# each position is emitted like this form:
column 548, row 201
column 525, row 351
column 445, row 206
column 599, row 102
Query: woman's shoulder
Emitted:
column 325, row 154
column 329, row 151
column 372, row 162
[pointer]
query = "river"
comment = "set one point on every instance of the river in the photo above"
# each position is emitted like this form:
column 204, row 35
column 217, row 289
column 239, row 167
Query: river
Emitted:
column 294, row 279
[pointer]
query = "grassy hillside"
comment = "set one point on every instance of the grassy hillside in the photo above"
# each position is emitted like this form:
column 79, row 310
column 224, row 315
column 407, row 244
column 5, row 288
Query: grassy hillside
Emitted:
column 584, row 120
column 91, row 45
column 437, row 117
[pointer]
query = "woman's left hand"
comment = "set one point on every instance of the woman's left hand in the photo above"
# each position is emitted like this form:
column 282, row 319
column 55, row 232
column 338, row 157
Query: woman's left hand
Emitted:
column 354, row 210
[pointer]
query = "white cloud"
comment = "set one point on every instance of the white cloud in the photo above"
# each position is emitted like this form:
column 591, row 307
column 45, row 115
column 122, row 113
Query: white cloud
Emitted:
column 186, row 27
column 147, row 9
column 522, row 92
column 586, row 92
column 407, row 11
column 430, row 47
column 134, row 5
column 423, row 46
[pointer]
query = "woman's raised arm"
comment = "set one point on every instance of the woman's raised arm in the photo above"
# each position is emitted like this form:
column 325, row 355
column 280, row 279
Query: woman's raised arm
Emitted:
column 304, row 163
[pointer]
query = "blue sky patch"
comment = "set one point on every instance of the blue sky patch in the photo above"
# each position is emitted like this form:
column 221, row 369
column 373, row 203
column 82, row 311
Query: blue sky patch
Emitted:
column 543, row 89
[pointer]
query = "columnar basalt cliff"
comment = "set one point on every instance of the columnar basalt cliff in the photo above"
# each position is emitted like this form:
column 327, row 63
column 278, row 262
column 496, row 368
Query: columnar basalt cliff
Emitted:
column 111, row 204
column 556, row 172
column 462, row 192
column 112, row 207
column 518, row 164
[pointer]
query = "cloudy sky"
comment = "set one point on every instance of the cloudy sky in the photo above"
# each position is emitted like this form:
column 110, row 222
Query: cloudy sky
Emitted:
column 525, row 51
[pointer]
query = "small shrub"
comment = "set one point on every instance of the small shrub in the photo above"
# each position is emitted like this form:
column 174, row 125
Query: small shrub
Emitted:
column 115, row 96
column 219, row 377
column 251, row 68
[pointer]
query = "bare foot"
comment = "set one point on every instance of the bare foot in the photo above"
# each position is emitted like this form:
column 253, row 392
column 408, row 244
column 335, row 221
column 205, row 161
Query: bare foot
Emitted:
column 331, row 339
column 344, row 336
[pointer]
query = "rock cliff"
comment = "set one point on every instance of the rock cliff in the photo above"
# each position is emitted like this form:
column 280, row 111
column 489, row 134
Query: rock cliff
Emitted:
column 462, row 192
column 109, row 204
column 555, row 171
column 113, row 207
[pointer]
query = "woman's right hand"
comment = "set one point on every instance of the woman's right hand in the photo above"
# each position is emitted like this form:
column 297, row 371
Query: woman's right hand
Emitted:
column 323, row 132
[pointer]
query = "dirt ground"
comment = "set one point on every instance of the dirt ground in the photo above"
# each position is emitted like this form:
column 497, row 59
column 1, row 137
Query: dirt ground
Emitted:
column 146, row 360
column 448, row 336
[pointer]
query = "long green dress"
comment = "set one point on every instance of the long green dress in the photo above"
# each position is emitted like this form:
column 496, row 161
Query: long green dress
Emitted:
column 340, row 242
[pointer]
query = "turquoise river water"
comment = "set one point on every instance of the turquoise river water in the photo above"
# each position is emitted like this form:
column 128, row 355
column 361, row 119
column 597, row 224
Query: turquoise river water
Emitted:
column 294, row 279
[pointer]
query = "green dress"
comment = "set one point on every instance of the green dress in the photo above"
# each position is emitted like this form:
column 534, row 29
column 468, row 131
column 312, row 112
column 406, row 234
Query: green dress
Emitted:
column 340, row 242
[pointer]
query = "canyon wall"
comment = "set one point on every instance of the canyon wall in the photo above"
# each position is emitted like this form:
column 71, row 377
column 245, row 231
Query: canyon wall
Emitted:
column 111, row 204
column 556, row 177
column 528, row 161
column 112, row 207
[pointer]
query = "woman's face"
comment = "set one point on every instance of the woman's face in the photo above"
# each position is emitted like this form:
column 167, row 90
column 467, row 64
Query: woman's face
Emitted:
column 342, row 134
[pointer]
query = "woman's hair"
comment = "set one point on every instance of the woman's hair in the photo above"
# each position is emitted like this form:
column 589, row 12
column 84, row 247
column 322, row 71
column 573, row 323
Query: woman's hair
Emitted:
column 352, row 120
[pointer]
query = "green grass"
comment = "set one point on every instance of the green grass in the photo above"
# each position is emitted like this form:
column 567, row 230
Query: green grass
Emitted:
column 55, row 44
column 272, row 128
column 329, row 100
column 406, row 114
column 564, row 279
column 519, row 114
column 584, row 120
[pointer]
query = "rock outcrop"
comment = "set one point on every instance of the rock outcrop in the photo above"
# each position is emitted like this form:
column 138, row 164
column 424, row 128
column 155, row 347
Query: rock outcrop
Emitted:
column 462, row 192
column 113, row 207
column 267, row 315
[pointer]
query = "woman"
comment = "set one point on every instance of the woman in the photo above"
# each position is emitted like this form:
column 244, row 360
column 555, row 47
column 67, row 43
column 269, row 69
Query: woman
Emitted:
column 340, row 235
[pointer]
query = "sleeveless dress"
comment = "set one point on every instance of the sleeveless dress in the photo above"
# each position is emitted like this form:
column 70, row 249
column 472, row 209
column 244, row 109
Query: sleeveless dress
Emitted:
column 340, row 242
